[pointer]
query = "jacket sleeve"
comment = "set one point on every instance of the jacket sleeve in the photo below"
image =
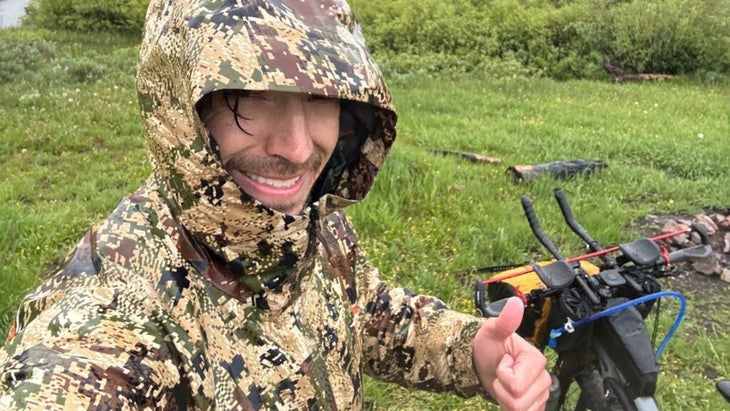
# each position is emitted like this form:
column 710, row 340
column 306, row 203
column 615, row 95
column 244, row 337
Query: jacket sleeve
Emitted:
column 413, row 340
column 85, row 346
column 416, row 340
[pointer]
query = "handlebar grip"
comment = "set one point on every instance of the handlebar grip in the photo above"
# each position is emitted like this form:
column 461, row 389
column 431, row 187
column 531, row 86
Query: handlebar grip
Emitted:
column 529, row 212
column 696, row 252
column 495, row 308
column 723, row 386
column 704, row 238
column 485, row 309
column 699, row 251
column 537, row 229
column 573, row 223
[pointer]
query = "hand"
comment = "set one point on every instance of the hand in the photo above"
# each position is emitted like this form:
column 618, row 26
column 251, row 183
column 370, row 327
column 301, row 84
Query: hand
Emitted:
column 510, row 369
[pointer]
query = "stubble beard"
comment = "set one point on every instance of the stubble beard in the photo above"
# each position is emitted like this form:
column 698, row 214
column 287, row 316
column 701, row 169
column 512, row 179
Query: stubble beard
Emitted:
column 268, row 166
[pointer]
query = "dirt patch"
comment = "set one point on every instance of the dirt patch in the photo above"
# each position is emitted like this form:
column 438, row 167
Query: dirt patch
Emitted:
column 705, row 282
column 709, row 296
column 710, row 274
column 688, row 281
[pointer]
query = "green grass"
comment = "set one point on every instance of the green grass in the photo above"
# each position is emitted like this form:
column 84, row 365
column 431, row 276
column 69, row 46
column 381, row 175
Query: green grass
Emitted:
column 429, row 218
column 71, row 147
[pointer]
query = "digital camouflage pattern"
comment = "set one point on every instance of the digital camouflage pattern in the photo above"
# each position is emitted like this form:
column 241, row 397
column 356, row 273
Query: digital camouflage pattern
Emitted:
column 192, row 294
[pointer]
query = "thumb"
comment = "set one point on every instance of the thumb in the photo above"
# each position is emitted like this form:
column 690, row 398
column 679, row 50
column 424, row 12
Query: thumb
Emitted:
column 509, row 319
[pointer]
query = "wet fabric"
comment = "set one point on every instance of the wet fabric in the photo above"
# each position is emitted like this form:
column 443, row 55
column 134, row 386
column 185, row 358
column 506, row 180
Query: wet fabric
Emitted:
column 193, row 295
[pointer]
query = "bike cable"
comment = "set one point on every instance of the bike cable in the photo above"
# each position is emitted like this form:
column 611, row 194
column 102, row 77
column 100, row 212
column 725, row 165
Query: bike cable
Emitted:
column 570, row 325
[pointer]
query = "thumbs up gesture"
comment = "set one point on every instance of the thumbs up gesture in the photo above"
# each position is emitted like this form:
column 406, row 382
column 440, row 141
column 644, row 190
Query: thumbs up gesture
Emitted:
column 510, row 369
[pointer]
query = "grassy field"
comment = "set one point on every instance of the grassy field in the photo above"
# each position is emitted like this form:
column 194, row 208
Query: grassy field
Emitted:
column 71, row 146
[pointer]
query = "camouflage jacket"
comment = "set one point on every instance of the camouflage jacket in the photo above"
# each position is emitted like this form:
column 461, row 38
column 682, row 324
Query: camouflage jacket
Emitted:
column 193, row 295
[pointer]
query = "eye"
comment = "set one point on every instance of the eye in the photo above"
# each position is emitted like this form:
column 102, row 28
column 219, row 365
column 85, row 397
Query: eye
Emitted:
column 322, row 99
column 253, row 95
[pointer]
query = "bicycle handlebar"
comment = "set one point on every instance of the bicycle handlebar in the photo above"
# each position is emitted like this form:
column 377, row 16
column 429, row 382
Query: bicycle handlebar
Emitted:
column 613, row 298
column 537, row 230
column 593, row 245
column 644, row 253
column 723, row 386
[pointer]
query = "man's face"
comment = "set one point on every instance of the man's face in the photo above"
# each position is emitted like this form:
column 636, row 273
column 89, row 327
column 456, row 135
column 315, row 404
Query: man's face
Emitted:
column 282, row 145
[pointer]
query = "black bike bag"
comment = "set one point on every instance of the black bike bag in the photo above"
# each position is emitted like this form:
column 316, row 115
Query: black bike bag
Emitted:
column 626, row 339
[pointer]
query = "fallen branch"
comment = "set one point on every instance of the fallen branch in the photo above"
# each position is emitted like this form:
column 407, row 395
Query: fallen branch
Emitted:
column 619, row 76
column 642, row 77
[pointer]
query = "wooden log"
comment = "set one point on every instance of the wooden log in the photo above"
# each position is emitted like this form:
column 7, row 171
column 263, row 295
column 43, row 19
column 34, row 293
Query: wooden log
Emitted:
column 642, row 77
column 619, row 76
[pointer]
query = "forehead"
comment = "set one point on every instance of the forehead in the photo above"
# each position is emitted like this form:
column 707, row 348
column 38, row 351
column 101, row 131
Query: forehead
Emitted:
column 226, row 97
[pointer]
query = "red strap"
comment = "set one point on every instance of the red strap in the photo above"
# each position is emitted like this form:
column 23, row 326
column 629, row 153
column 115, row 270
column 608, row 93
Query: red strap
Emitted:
column 665, row 255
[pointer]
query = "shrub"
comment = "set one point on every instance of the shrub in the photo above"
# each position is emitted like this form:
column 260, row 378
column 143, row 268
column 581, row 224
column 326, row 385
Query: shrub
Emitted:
column 560, row 38
column 433, row 36
column 26, row 60
column 20, row 57
column 123, row 16
column 78, row 70
column 671, row 36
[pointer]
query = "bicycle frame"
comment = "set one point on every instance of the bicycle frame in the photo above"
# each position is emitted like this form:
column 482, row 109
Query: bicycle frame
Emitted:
column 593, row 315
column 628, row 384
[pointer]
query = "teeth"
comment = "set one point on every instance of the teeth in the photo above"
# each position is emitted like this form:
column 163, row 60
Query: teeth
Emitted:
column 274, row 183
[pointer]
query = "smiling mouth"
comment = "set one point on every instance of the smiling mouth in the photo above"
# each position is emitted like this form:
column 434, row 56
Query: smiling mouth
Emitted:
column 276, row 183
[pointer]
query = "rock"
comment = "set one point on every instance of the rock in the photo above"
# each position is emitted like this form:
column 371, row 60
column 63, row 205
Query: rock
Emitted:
column 725, row 275
column 718, row 218
column 725, row 223
column 706, row 223
column 705, row 267
column 695, row 238
column 717, row 227
column 671, row 226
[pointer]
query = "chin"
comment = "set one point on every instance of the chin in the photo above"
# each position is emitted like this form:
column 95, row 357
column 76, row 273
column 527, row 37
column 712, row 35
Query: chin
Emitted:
column 286, row 208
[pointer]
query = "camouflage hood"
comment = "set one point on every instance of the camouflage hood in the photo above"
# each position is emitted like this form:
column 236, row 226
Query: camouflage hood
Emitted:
column 193, row 48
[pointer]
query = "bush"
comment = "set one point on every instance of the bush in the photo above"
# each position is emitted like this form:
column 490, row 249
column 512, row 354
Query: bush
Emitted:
column 434, row 36
column 21, row 58
column 78, row 70
column 559, row 38
column 671, row 36
column 27, row 60
column 123, row 16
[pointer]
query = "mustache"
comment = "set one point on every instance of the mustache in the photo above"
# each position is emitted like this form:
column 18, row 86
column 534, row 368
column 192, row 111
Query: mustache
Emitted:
column 273, row 165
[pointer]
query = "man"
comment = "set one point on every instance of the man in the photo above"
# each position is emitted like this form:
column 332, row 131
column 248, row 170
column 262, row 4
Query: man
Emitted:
column 232, row 279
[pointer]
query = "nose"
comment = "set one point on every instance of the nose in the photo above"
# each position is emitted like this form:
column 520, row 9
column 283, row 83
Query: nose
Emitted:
column 289, row 135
